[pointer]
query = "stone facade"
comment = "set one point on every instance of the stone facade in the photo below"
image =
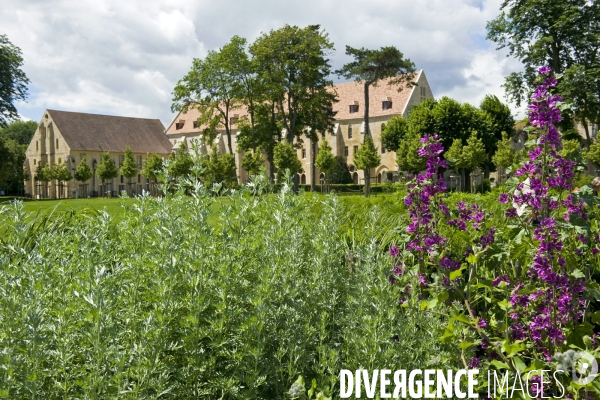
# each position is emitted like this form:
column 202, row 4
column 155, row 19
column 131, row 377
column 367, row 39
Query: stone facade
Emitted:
column 348, row 132
column 68, row 137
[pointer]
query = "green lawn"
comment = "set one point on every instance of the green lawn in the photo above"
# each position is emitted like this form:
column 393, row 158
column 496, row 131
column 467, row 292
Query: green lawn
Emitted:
column 112, row 206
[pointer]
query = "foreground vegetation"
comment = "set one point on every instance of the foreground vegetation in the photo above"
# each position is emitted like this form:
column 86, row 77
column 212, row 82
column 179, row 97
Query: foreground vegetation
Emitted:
column 164, row 304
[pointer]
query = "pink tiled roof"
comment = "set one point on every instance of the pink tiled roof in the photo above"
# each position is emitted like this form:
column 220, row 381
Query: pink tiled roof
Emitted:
column 348, row 93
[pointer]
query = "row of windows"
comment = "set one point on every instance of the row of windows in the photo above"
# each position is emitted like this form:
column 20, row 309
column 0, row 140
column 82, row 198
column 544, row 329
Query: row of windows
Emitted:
column 385, row 105
column 350, row 130
column 37, row 145
column 354, row 148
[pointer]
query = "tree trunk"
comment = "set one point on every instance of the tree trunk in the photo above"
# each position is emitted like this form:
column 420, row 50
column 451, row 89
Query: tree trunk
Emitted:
column 367, row 132
column 313, row 185
column 588, row 140
column 271, row 166
column 462, row 179
column 367, row 182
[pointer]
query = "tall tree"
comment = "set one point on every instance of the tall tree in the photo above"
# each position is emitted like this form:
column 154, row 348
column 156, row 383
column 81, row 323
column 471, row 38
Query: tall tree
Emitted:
column 564, row 34
column 366, row 158
column 13, row 81
column 293, row 64
column 213, row 86
column 107, row 169
column 371, row 66
column 129, row 169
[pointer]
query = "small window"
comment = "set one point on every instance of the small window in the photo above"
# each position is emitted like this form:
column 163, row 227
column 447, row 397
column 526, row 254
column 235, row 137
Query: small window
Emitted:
column 232, row 120
column 354, row 149
column 275, row 115
column 36, row 145
column 139, row 178
column 349, row 131
column 386, row 105
column 195, row 123
column 121, row 178
column 423, row 91
column 34, row 161
column 179, row 125
column 382, row 150
column 353, row 108
column 303, row 153
column 351, row 168
column 57, row 143
column 345, row 151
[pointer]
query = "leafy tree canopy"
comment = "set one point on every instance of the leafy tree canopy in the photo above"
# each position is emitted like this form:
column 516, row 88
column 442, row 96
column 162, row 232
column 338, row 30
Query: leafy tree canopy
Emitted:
column 325, row 159
column 339, row 172
column 293, row 65
column 506, row 155
column 83, row 172
column 181, row 162
column 371, row 66
column 60, row 171
column 153, row 167
column 252, row 162
column 107, row 169
column 129, row 169
column 367, row 156
column 407, row 157
column 20, row 131
column 13, row 81
column 285, row 157
column 394, row 132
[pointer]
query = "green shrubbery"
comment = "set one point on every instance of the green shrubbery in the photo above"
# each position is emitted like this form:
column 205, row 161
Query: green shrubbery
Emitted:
column 163, row 303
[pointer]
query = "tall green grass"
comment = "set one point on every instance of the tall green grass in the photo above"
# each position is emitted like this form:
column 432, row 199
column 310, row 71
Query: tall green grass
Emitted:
column 189, row 297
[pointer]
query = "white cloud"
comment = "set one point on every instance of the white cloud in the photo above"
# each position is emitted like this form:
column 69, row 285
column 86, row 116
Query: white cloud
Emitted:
column 125, row 57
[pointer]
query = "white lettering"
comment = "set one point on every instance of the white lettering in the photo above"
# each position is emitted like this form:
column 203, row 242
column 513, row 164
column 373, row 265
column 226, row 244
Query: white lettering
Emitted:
column 370, row 385
column 457, row 392
column 384, row 383
column 400, row 383
column 562, row 388
column 411, row 384
column 443, row 382
column 429, row 383
column 473, row 383
column 346, row 374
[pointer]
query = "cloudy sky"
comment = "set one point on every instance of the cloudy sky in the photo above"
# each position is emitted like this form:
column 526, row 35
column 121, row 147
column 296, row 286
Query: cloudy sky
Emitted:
column 123, row 57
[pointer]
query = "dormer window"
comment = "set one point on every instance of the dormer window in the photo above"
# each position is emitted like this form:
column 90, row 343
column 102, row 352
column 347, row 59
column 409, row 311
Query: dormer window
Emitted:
column 180, row 124
column 195, row 123
column 386, row 104
column 354, row 107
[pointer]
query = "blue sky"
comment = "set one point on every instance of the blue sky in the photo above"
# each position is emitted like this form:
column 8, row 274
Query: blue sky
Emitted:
column 125, row 57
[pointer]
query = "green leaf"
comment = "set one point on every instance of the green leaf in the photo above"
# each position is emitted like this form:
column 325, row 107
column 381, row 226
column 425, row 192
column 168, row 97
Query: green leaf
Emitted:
column 512, row 349
column 595, row 317
column 472, row 259
column 462, row 318
column 423, row 305
column 456, row 274
column 465, row 345
column 519, row 364
column 499, row 364
column 577, row 274
column 503, row 305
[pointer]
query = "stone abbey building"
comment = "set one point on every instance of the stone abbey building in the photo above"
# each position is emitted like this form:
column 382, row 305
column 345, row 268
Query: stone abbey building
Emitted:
column 70, row 136
column 348, row 133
